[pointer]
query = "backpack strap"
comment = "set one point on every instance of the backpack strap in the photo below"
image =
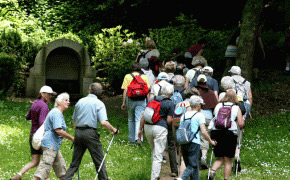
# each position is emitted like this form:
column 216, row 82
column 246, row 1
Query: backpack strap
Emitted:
column 223, row 103
column 198, row 129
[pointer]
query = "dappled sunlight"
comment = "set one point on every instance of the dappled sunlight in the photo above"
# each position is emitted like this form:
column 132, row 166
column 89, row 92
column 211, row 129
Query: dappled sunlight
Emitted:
column 9, row 135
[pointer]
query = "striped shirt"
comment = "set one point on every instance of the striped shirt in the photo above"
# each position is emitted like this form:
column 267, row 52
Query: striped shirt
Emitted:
column 89, row 111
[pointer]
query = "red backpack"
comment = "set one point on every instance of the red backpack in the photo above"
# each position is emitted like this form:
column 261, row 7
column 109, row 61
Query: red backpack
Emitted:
column 152, row 111
column 138, row 88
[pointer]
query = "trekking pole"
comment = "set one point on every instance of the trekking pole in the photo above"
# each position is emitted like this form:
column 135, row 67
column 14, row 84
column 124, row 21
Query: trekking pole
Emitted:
column 105, row 155
column 239, row 148
column 210, row 164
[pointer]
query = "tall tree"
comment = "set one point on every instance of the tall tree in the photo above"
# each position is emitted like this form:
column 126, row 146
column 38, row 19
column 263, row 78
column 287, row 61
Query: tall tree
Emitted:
column 248, row 36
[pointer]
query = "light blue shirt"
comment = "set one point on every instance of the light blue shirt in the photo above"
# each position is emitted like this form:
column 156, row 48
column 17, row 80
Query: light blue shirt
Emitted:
column 196, row 121
column 88, row 111
column 54, row 120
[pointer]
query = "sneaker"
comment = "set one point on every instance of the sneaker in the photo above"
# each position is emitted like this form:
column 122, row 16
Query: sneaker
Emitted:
column 238, row 165
column 16, row 177
column 173, row 174
column 203, row 164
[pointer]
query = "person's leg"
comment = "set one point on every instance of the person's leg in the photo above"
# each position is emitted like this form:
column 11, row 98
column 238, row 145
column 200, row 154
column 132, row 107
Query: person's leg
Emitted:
column 218, row 163
column 96, row 150
column 148, row 129
column 45, row 163
column 59, row 165
column 172, row 151
column 160, row 137
column 79, row 150
column 191, row 157
column 131, row 104
column 140, row 107
column 228, row 167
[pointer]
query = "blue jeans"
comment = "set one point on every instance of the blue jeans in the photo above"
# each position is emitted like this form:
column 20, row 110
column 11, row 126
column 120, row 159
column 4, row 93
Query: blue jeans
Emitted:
column 135, row 111
column 190, row 153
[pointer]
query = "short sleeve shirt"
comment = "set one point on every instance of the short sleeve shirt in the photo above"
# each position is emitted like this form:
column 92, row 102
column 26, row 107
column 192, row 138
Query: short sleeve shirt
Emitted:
column 88, row 111
column 166, row 109
column 128, row 79
column 196, row 121
column 54, row 120
column 211, row 83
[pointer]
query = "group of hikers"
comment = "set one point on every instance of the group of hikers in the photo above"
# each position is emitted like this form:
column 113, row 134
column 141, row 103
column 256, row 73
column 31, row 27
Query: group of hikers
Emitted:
column 160, row 98
column 163, row 101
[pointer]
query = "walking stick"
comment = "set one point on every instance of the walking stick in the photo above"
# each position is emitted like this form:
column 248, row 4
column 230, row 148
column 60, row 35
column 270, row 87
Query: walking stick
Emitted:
column 210, row 164
column 239, row 148
column 105, row 155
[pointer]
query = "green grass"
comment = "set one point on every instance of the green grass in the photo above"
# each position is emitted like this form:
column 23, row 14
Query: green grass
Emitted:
column 265, row 151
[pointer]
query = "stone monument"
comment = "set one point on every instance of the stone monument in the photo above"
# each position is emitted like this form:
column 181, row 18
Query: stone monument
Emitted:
column 64, row 65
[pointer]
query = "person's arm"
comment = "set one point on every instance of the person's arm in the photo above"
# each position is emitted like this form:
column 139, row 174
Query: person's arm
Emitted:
column 123, row 107
column 169, row 120
column 206, row 135
column 140, row 131
column 240, row 119
column 199, row 53
column 186, row 83
column 108, row 126
column 28, row 116
column 261, row 46
column 64, row 134
column 250, row 97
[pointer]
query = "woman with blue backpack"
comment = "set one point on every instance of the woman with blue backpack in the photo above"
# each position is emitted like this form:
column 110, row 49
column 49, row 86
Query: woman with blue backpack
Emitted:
column 188, row 135
column 224, row 126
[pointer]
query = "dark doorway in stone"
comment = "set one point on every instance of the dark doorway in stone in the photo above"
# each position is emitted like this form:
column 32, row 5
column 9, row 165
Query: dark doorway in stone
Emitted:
column 63, row 71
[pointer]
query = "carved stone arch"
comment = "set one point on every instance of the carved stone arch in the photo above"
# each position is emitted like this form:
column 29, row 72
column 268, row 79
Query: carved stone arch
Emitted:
column 62, row 63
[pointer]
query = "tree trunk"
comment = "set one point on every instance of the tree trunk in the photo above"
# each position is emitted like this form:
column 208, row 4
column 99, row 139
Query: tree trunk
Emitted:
column 287, row 13
column 248, row 36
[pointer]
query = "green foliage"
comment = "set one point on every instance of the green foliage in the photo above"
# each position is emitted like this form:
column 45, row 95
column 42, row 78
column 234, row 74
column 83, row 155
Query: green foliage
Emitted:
column 115, row 51
column 8, row 69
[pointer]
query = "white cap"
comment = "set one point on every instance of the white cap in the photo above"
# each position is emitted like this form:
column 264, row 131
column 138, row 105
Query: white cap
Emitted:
column 235, row 70
column 200, row 77
column 162, row 76
column 195, row 100
column 47, row 89
column 207, row 69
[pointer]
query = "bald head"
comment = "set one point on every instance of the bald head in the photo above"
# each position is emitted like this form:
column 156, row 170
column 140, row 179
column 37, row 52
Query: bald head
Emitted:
column 96, row 89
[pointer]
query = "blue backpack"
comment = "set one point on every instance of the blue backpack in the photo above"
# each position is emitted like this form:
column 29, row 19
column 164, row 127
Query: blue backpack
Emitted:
column 184, row 135
column 176, row 98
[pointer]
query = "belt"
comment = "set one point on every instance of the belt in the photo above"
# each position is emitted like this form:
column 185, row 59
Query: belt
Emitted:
column 83, row 128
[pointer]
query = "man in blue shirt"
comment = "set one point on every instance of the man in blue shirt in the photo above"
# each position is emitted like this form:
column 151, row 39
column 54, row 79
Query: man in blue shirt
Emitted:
column 89, row 112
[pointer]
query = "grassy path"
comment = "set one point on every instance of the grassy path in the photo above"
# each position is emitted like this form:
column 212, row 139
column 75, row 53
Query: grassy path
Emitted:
column 265, row 151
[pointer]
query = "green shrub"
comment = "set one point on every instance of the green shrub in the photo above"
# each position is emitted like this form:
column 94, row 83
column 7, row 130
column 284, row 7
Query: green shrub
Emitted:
column 115, row 50
column 8, row 69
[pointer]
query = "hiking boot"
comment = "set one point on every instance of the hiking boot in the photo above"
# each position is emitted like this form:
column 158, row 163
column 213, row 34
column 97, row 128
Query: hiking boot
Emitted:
column 238, row 165
column 203, row 164
column 16, row 177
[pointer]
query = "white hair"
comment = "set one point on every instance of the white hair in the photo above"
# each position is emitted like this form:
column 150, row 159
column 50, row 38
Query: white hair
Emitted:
column 227, row 82
column 195, row 101
column 167, row 90
column 60, row 98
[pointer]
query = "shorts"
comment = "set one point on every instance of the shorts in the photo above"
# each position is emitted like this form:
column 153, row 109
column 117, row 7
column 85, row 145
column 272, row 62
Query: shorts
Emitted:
column 32, row 150
column 226, row 143
column 50, row 159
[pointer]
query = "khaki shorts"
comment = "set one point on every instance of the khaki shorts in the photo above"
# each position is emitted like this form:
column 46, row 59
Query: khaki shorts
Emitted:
column 204, row 144
column 50, row 159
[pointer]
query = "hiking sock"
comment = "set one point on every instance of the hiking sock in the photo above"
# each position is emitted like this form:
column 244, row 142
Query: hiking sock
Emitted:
column 287, row 68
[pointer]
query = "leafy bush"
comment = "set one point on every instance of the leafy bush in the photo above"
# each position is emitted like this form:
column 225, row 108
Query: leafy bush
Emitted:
column 115, row 51
column 8, row 69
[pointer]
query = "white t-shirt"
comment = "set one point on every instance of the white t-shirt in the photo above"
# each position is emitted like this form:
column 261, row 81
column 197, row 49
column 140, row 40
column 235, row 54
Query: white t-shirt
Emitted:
column 234, row 114
column 190, row 74
column 150, row 76
column 156, row 87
